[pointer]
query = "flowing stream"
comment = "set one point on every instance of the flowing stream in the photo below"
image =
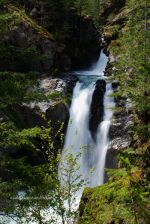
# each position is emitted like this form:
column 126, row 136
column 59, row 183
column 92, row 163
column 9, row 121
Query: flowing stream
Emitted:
column 78, row 136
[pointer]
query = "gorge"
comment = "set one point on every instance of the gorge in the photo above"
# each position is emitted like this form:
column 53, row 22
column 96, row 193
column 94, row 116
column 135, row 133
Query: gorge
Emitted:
column 74, row 112
column 79, row 138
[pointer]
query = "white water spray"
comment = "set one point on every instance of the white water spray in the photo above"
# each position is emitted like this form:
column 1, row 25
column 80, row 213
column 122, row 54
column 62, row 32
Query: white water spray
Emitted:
column 78, row 133
column 102, row 137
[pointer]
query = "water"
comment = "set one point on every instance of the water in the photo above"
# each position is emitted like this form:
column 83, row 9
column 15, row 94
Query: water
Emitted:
column 78, row 136
column 102, row 137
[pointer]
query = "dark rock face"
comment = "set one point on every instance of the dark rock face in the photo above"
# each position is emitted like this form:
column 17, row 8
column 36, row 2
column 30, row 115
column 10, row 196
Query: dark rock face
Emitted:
column 3, row 117
column 70, row 81
column 111, row 161
column 97, row 106
column 58, row 114
column 26, row 117
column 29, row 50
column 115, row 7
column 119, row 135
column 81, row 40
column 115, row 84
column 84, row 47
column 33, row 48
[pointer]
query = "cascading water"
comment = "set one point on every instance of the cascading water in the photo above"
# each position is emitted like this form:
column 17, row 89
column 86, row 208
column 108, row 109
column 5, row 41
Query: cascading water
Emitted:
column 102, row 137
column 78, row 133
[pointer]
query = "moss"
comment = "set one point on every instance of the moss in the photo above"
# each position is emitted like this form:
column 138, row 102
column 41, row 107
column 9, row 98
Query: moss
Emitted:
column 54, row 95
column 111, row 30
column 8, row 21
column 24, row 18
column 106, row 204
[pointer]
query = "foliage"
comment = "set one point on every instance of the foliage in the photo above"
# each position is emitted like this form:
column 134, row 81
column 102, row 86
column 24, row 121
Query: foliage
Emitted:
column 31, row 190
column 72, row 182
column 8, row 21
column 54, row 95
column 14, row 88
column 24, row 18
column 133, row 67
column 30, row 187
column 123, row 199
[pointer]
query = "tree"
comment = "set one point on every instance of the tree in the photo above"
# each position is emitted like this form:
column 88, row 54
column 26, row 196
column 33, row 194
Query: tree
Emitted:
column 37, row 192
column 133, row 65
column 72, row 184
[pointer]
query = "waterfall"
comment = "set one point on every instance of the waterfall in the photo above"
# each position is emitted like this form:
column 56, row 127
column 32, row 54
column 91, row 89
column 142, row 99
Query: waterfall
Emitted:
column 78, row 133
column 94, row 152
column 102, row 137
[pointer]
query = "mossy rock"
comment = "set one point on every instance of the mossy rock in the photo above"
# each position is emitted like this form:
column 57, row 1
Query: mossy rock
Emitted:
column 107, row 204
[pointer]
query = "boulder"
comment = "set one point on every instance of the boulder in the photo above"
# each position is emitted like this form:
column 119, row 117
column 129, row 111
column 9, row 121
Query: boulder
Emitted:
column 97, row 107
column 70, row 81
column 58, row 114
column 115, row 84
column 50, row 85
column 25, row 116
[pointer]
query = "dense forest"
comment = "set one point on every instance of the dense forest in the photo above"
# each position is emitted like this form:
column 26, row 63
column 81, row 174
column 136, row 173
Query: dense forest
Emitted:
column 41, row 43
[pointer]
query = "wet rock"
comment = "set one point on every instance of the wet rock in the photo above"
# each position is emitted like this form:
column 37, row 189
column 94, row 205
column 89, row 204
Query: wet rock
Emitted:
column 26, row 117
column 49, row 85
column 41, row 106
column 103, row 44
column 115, row 84
column 120, row 143
column 63, row 85
column 108, row 70
column 55, row 110
column 58, row 114
column 70, row 81
column 111, row 161
column 119, row 137
column 3, row 117
column 119, row 129
column 97, row 107
column 82, row 35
